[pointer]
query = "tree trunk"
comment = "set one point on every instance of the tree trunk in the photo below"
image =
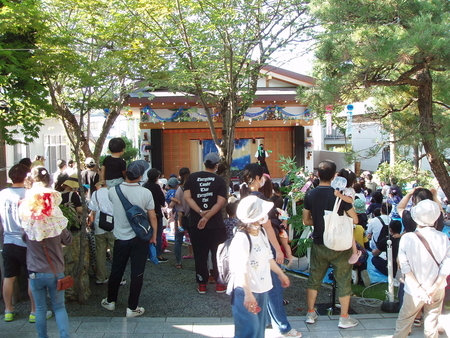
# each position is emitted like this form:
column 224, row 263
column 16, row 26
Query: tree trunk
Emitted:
column 427, row 130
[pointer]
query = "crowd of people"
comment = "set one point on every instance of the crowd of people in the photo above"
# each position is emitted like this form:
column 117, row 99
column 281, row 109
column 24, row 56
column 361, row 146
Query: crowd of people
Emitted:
column 35, row 228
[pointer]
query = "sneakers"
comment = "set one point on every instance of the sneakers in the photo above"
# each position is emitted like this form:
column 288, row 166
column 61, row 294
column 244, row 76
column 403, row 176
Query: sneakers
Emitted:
column 9, row 316
column 347, row 322
column 134, row 313
column 311, row 317
column 220, row 288
column 292, row 333
column 98, row 282
column 108, row 306
column 32, row 317
column 365, row 277
column 354, row 257
column 201, row 289
column 418, row 321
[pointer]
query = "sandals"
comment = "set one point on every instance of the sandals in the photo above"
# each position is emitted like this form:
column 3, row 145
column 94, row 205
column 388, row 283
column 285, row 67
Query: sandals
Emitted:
column 178, row 266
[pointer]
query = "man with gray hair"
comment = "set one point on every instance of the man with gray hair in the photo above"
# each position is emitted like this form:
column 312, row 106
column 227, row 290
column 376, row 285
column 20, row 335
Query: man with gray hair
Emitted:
column 426, row 268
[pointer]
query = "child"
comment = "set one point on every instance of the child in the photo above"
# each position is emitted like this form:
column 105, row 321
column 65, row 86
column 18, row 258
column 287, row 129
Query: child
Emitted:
column 279, row 219
column 231, row 221
column 250, row 262
column 348, row 195
column 113, row 169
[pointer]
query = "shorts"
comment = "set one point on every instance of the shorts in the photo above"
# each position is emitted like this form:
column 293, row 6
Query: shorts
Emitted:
column 114, row 182
column 14, row 257
column 320, row 260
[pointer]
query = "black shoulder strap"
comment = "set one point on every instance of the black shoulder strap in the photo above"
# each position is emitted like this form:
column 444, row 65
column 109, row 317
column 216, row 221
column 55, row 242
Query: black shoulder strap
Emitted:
column 427, row 246
column 381, row 220
column 126, row 204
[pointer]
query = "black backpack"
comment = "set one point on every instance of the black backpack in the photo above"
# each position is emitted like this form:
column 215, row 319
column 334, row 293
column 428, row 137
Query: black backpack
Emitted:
column 137, row 217
column 222, row 256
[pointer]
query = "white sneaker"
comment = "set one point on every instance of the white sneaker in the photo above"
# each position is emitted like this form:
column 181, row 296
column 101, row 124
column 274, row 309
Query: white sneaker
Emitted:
column 108, row 306
column 347, row 322
column 292, row 333
column 311, row 317
column 134, row 313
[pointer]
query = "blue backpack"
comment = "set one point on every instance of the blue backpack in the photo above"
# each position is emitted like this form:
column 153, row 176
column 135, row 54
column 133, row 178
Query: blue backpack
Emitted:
column 137, row 217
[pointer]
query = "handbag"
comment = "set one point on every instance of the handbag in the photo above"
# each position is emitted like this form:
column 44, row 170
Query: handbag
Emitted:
column 338, row 230
column 62, row 283
column 105, row 221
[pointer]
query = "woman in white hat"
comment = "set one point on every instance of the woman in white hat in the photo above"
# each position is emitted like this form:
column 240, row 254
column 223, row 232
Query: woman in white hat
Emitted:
column 424, row 257
column 251, row 261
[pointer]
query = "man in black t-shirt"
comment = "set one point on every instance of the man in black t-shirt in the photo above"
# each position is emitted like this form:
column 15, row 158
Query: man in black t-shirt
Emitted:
column 206, row 194
column 317, row 202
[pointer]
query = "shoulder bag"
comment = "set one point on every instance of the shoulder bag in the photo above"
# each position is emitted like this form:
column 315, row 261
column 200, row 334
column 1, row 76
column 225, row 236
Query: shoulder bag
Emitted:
column 105, row 221
column 338, row 231
column 63, row 283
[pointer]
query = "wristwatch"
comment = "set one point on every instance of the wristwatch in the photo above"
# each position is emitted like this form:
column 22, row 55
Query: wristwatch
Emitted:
column 200, row 211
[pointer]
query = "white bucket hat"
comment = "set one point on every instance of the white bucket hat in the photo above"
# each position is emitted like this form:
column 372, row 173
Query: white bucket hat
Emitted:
column 252, row 209
column 425, row 213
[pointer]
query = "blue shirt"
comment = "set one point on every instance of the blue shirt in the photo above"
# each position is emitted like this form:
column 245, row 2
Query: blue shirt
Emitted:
column 9, row 215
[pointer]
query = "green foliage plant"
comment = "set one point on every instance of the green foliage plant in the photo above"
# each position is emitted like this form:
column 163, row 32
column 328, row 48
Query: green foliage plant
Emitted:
column 405, row 173
column 296, row 179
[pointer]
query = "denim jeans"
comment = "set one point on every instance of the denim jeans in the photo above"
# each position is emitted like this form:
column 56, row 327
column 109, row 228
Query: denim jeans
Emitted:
column 247, row 324
column 136, row 250
column 275, row 304
column 179, row 239
column 39, row 286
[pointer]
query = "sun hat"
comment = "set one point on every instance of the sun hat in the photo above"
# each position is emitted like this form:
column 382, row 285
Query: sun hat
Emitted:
column 172, row 182
column 252, row 209
column 360, row 206
column 72, row 181
column 425, row 213
column 136, row 169
column 90, row 162
column 212, row 157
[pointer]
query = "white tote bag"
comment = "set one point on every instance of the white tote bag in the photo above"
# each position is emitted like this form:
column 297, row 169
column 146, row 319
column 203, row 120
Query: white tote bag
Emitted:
column 338, row 232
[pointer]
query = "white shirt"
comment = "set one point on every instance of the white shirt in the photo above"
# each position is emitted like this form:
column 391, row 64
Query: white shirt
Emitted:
column 255, row 263
column 374, row 227
column 136, row 195
column 413, row 256
column 100, row 202
column 256, row 154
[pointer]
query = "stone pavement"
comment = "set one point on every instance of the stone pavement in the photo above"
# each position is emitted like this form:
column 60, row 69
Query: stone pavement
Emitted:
column 370, row 326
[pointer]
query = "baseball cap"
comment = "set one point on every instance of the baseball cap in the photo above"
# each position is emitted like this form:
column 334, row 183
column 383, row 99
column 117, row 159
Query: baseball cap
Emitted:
column 212, row 157
column 360, row 206
column 172, row 182
column 252, row 209
column 136, row 169
column 89, row 162
column 425, row 213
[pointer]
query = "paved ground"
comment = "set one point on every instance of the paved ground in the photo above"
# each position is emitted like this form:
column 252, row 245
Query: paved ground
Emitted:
column 175, row 309
column 370, row 326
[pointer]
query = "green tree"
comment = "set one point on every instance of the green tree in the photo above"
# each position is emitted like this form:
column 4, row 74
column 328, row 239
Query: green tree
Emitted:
column 217, row 48
column 397, row 52
column 23, row 96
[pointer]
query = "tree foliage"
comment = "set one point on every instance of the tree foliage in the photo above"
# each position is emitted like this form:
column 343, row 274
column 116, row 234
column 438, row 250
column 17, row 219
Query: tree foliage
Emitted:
column 397, row 52
column 23, row 96
column 217, row 48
